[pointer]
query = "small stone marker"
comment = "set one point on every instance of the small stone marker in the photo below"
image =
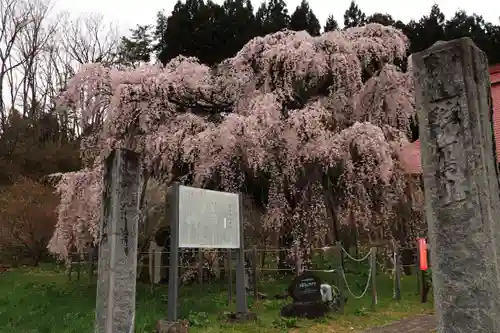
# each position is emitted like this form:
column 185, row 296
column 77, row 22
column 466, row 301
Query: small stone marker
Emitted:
column 305, row 291
column 117, row 271
column 305, row 288
column 462, row 198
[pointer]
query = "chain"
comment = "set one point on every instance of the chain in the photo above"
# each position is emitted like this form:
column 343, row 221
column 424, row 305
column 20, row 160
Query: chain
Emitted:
column 366, row 287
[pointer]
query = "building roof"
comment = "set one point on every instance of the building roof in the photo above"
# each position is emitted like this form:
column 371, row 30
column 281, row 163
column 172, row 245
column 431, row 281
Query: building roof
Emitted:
column 495, row 74
column 410, row 154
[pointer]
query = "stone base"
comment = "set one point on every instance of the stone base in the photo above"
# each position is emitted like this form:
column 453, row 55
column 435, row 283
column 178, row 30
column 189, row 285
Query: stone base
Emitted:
column 241, row 317
column 164, row 326
column 308, row 310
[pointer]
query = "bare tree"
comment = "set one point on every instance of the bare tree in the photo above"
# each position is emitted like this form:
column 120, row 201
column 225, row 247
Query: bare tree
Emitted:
column 40, row 52
column 14, row 19
column 33, row 44
column 53, row 53
column 57, row 69
column 89, row 39
column 85, row 39
column 24, row 32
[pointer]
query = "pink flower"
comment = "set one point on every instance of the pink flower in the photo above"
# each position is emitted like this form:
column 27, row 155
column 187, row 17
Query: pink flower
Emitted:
column 287, row 121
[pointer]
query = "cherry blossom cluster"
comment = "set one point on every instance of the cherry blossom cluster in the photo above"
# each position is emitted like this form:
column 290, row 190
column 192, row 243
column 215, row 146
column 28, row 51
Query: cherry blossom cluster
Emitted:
column 291, row 121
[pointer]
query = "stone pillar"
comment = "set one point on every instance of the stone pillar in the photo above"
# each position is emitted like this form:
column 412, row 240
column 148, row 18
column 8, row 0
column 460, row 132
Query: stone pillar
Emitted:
column 115, row 305
column 452, row 95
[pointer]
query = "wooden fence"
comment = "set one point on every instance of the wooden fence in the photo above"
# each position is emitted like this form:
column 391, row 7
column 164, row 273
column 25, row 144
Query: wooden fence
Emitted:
column 261, row 262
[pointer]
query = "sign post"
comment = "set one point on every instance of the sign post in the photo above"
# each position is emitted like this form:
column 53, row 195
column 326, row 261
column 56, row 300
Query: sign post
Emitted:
column 206, row 219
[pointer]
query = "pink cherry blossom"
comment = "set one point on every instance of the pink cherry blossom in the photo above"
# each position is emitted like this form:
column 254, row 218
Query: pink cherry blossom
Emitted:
column 287, row 121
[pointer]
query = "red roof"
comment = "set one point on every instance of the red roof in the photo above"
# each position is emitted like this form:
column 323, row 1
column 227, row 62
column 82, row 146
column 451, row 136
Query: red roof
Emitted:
column 410, row 154
column 495, row 74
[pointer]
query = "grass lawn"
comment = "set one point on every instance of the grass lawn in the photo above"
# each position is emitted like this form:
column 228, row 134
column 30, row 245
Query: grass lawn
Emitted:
column 42, row 300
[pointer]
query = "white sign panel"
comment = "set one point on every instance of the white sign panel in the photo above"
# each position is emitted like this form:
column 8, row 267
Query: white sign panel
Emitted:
column 208, row 219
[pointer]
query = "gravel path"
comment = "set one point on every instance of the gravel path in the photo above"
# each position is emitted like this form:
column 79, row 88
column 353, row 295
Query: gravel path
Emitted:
column 417, row 324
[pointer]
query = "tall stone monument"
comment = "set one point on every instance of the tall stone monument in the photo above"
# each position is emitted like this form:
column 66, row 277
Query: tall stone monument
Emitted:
column 462, row 199
column 115, row 305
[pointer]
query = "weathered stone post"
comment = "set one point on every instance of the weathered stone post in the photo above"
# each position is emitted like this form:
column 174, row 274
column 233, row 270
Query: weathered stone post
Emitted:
column 154, row 262
column 452, row 93
column 115, row 305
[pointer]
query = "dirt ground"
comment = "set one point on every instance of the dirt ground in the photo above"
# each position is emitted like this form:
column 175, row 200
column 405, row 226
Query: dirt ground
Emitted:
column 417, row 324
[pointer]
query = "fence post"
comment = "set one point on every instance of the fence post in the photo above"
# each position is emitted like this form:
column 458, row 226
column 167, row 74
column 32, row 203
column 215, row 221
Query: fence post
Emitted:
column 298, row 261
column 255, row 275
column 340, row 278
column 201, row 260
column 78, row 267
column 263, row 256
column 90, row 257
column 397, row 274
column 216, row 264
column 417, row 270
column 230, row 277
column 69, row 264
column 426, row 284
column 181, row 254
column 373, row 268
column 151, row 270
column 423, row 294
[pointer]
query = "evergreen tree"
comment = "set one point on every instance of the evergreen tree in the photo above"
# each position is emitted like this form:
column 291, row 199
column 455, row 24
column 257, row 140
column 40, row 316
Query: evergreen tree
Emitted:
column 159, row 32
column 427, row 30
column 331, row 24
column 384, row 19
column 137, row 48
column 239, row 25
column 211, row 32
column 194, row 29
column 484, row 34
column 303, row 18
column 179, row 23
column 272, row 16
column 353, row 16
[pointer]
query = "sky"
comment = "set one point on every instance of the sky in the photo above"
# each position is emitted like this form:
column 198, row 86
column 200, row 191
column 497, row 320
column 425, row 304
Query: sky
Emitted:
column 127, row 14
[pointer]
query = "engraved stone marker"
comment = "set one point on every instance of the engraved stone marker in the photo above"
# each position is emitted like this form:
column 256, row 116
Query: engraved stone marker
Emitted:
column 115, row 304
column 305, row 288
column 462, row 199
column 305, row 291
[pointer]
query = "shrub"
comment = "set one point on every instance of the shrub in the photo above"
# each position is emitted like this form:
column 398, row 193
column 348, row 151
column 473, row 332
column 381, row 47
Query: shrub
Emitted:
column 28, row 219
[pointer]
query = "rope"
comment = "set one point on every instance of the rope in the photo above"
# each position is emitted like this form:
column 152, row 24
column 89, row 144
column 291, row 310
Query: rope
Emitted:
column 355, row 259
column 320, row 270
column 272, row 250
column 336, row 289
column 324, row 248
column 410, row 265
column 366, row 287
